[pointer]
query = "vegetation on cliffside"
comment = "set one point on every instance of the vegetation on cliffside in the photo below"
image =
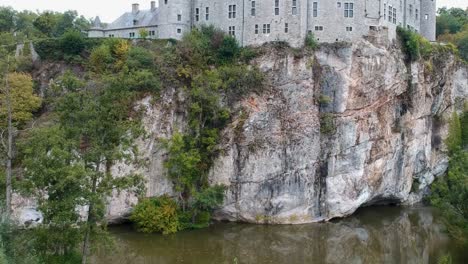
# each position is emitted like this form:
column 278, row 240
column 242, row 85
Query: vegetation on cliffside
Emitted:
column 450, row 193
column 452, row 27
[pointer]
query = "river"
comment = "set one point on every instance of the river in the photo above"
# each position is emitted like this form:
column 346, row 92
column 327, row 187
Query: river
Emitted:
column 372, row 235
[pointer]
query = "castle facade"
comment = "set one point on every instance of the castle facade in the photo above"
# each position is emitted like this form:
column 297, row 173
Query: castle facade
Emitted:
column 254, row 22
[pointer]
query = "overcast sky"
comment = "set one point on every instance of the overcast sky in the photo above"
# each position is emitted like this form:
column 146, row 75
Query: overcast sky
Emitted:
column 109, row 10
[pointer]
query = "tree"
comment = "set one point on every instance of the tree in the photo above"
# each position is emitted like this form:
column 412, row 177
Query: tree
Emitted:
column 23, row 100
column 65, row 22
column 454, row 140
column 462, row 44
column 71, row 161
column 46, row 23
column 19, row 103
column 7, row 19
column 72, row 42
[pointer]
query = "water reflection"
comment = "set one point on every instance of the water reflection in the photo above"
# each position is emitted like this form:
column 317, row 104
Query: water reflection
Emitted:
column 374, row 235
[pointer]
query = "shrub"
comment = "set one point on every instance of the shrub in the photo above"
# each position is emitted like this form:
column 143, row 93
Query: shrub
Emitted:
column 49, row 49
column 143, row 33
column 327, row 124
column 100, row 58
column 140, row 58
column 143, row 81
column 210, row 198
column 228, row 50
column 324, row 99
column 414, row 45
column 156, row 215
column 72, row 42
column 310, row 41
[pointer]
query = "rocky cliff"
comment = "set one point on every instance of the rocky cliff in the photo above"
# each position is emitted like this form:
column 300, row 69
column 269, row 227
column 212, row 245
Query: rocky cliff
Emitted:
column 349, row 126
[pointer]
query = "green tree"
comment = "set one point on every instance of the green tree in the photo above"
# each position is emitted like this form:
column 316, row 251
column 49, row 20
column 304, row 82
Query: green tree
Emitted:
column 73, row 161
column 462, row 44
column 46, row 23
column 454, row 140
column 72, row 42
column 65, row 22
column 7, row 19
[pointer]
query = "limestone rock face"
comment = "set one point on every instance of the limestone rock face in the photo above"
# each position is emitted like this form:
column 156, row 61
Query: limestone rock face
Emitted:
column 349, row 126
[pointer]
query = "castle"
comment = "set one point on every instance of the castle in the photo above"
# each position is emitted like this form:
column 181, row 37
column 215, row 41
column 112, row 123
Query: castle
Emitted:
column 254, row 22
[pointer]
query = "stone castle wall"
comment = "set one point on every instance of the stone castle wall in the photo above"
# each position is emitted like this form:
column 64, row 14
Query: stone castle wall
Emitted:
column 257, row 22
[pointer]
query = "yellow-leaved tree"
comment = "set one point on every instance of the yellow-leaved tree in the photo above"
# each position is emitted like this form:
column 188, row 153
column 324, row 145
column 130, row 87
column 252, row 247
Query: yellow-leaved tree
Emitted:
column 23, row 100
column 17, row 103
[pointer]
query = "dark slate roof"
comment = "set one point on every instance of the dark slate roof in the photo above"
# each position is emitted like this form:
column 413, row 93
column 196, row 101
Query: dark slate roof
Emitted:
column 143, row 18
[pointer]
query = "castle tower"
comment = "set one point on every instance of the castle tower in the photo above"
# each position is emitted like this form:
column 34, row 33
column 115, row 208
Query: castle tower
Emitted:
column 428, row 19
column 174, row 18
column 96, row 30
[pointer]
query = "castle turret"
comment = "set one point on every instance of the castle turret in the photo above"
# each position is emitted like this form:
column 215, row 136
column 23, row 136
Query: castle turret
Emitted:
column 96, row 31
column 428, row 19
column 174, row 18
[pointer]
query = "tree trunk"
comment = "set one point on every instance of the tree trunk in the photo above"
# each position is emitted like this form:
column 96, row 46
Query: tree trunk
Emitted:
column 9, row 144
column 90, row 220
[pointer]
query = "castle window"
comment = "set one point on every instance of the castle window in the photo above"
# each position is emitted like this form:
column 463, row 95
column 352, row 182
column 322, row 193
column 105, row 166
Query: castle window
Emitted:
column 339, row 4
column 286, row 27
column 417, row 14
column 401, row 5
column 256, row 29
column 207, row 14
column 131, row 34
column 197, row 14
column 390, row 13
column 179, row 31
column 294, row 7
column 426, row 16
column 165, row 2
column 179, row 17
column 385, row 11
column 318, row 28
column 232, row 11
column 411, row 10
column 232, row 31
column 266, row 28
column 276, row 7
column 349, row 29
column 349, row 10
column 253, row 11
column 394, row 16
column 135, row 22
column 315, row 9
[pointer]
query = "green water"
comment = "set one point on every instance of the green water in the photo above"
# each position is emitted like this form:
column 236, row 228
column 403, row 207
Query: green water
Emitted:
column 372, row 235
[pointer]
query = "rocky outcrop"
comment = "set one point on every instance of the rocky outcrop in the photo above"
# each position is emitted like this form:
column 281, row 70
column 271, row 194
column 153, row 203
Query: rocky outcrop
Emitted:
column 351, row 125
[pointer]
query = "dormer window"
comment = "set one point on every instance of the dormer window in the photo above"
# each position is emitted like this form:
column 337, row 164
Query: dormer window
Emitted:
column 135, row 22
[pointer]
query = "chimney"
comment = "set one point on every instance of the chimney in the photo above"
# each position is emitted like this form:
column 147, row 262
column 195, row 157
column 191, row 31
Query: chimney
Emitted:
column 135, row 8
column 153, row 5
